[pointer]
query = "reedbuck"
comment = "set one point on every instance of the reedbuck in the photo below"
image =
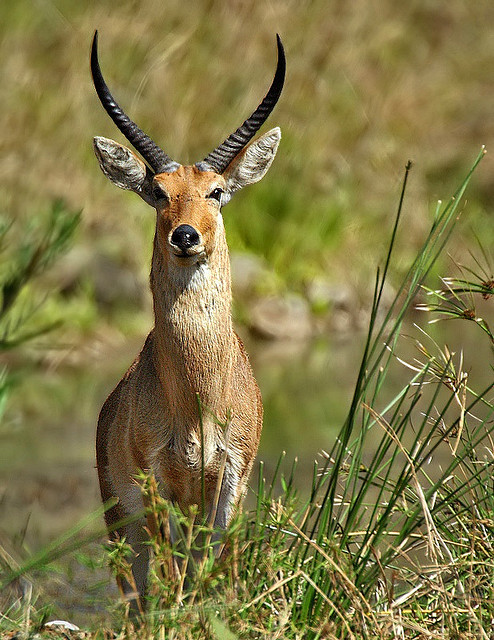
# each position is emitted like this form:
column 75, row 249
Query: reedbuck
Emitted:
column 192, row 357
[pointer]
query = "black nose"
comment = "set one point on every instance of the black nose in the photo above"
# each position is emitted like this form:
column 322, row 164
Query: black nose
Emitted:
column 185, row 237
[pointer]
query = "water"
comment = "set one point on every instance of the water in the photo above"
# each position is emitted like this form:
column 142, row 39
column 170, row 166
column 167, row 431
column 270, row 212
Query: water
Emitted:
column 47, row 477
column 48, row 482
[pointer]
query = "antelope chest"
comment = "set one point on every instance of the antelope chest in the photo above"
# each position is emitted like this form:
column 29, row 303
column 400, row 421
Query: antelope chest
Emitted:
column 180, row 467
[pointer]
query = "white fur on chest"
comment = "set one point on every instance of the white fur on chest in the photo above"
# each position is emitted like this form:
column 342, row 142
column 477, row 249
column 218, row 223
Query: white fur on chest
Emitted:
column 204, row 298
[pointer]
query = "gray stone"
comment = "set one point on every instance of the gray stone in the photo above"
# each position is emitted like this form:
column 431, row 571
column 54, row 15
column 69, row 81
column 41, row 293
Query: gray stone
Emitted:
column 113, row 282
column 248, row 271
column 341, row 321
column 324, row 295
column 282, row 318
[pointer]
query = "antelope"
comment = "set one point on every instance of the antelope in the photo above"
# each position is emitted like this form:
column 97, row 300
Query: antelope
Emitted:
column 152, row 419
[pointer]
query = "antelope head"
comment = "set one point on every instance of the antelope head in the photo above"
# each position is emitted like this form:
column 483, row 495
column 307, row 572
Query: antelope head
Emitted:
column 187, row 199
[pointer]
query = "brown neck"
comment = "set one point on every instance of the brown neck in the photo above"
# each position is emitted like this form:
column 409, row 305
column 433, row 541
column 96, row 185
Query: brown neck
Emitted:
column 193, row 334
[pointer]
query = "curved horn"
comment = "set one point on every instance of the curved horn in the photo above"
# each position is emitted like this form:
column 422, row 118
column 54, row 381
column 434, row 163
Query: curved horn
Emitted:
column 220, row 158
column 158, row 160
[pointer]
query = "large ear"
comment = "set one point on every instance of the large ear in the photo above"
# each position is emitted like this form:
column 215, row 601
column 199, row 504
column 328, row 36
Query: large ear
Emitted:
column 252, row 163
column 123, row 167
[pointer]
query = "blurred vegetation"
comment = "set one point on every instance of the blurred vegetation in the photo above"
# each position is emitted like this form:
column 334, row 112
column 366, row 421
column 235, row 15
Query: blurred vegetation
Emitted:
column 394, row 540
column 25, row 255
column 29, row 308
column 369, row 85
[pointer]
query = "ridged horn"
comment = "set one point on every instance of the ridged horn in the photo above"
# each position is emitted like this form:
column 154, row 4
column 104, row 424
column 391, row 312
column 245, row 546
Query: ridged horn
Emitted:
column 220, row 158
column 157, row 159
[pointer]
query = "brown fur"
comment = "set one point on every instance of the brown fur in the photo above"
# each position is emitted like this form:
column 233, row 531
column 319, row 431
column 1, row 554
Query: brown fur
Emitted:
column 151, row 419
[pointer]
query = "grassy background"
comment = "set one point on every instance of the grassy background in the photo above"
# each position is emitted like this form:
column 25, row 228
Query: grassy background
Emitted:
column 369, row 85
column 395, row 539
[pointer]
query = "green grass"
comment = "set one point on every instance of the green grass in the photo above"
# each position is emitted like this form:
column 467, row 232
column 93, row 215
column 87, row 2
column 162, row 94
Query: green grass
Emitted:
column 388, row 544
column 385, row 542
column 25, row 255
column 367, row 87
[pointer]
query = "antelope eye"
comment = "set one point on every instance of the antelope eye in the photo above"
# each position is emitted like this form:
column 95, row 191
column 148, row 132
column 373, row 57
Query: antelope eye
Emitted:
column 216, row 194
column 158, row 193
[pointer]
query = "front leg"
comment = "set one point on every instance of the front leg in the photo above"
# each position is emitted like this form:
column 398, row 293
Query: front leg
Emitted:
column 233, row 488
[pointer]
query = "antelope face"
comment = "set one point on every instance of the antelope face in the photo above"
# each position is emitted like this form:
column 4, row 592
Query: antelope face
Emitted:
column 188, row 205
column 187, row 199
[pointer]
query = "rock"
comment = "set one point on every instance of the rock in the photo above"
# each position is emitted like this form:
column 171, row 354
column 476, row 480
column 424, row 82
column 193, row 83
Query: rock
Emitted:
column 335, row 306
column 247, row 272
column 61, row 624
column 324, row 295
column 281, row 318
column 113, row 283
column 341, row 321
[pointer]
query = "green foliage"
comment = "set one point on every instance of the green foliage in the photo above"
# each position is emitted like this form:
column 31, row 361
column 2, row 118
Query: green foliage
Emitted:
column 459, row 296
column 25, row 255
column 387, row 545
column 360, row 89
column 278, row 222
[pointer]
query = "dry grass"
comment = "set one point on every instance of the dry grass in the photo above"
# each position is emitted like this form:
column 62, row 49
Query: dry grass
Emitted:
column 369, row 85
column 388, row 545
